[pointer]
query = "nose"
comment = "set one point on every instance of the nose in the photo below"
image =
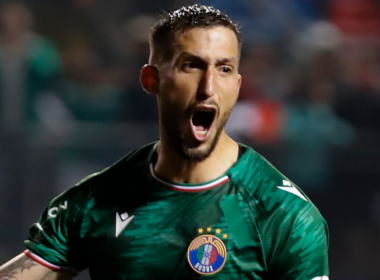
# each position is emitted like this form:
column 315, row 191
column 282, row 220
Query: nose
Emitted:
column 207, row 87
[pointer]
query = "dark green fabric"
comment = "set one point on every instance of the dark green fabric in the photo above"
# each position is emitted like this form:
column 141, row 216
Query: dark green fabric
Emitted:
column 269, row 233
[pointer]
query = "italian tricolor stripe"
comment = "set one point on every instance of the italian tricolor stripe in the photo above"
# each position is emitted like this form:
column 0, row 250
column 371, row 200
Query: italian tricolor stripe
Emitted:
column 46, row 263
column 193, row 188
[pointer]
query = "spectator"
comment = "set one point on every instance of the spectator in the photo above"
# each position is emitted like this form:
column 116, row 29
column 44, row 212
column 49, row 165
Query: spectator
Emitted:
column 29, row 68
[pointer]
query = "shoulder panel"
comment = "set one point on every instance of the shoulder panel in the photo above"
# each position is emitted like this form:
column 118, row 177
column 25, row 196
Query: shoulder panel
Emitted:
column 60, row 235
column 289, row 224
column 260, row 181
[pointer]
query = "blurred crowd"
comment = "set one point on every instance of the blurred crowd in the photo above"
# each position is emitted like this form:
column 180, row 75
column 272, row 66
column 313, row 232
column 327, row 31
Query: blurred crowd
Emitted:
column 309, row 102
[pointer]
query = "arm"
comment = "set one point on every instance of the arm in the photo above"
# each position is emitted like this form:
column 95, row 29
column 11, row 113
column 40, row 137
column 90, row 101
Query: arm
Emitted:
column 302, row 251
column 24, row 268
column 55, row 241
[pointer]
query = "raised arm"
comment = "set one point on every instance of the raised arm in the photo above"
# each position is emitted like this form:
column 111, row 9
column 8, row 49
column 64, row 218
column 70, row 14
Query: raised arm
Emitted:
column 22, row 267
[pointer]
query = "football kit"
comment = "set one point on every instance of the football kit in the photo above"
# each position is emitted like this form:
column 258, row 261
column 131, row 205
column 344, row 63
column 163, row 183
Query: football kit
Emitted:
column 127, row 222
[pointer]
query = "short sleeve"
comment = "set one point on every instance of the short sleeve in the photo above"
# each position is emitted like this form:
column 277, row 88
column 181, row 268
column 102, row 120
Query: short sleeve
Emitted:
column 302, row 253
column 56, row 237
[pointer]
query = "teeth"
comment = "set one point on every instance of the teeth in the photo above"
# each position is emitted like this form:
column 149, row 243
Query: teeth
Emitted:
column 202, row 132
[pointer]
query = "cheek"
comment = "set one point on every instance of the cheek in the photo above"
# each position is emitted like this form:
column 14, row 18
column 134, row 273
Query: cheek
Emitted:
column 175, row 90
column 229, row 96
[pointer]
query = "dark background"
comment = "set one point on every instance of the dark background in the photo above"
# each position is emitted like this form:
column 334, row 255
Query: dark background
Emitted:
column 71, row 104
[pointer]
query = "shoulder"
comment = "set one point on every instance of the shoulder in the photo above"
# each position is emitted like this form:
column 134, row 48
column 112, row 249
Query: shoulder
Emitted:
column 288, row 223
column 270, row 193
column 108, row 183
column 42, row 53
column 127, row 165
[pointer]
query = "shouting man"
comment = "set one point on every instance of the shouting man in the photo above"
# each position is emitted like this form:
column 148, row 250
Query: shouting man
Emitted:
column 195, row 204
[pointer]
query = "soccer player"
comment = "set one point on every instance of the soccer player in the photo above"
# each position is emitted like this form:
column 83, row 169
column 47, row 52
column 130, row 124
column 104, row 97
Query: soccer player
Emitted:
column 195, row 204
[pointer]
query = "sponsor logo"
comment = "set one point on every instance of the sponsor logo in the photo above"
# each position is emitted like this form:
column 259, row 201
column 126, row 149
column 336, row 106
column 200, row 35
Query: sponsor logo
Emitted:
column 121, row 222
column 53, row 212
column 207, row 254
column 289, row 187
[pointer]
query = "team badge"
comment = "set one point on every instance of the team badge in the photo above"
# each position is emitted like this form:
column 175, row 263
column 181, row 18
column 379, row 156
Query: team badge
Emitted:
column 207, row 254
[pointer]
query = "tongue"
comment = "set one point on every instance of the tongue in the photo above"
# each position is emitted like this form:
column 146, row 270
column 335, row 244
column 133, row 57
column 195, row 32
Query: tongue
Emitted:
column 199, row 128
column 200, row 121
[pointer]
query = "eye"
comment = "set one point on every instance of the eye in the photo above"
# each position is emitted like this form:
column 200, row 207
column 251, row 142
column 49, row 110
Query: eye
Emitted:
column 226, row 69
column 190, row 65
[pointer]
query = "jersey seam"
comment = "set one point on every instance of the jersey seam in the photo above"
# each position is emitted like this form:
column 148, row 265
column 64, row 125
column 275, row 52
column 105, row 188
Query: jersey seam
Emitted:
column 257, row 228
column 294, row 224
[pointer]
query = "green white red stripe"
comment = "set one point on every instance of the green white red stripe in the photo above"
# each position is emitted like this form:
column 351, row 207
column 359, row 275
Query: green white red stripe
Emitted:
column 46, row 263
column 192, row 188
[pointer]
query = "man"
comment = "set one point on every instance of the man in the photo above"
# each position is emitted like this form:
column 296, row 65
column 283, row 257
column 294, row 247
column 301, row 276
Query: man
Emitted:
column 196, row 202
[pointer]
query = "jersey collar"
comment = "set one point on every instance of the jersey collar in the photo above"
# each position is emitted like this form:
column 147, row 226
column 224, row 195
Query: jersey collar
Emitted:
column 243, row 154
column 188, row 187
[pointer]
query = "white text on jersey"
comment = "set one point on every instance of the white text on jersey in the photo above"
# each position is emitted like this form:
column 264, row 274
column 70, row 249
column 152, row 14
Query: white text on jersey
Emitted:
column 54, row 211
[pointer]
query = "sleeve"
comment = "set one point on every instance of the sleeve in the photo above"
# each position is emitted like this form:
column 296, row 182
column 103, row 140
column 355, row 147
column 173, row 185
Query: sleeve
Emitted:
column 57, row 239
column 302, row 252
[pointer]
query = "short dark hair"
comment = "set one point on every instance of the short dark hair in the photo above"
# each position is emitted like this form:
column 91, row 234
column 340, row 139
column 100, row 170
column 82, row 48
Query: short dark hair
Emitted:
column 163, row 33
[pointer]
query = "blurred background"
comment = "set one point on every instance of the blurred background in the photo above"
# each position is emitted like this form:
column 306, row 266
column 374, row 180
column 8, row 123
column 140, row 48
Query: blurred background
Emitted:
column 71, row 104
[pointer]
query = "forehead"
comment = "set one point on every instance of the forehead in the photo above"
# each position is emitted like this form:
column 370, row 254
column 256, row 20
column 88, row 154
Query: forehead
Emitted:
column 208, row 42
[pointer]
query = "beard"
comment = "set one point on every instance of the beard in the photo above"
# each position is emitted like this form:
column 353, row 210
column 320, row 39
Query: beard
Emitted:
column 171, row 120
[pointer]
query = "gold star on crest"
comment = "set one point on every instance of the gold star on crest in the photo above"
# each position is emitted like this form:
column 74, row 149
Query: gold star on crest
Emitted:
column 209, row 229
column 225, row 236
column 218, row 230
column 200, row 230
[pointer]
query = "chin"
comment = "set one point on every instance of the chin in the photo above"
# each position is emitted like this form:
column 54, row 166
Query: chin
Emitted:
column 201, row 152
column 196, row 154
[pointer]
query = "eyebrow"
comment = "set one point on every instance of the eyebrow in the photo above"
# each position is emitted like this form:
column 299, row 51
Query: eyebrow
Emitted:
column 197, row 57
column 226, row 60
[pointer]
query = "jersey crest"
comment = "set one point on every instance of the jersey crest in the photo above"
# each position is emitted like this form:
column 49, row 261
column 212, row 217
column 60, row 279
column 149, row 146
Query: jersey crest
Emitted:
column 207, row 254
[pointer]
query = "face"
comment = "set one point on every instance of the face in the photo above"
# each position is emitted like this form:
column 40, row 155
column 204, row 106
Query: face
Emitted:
column 198, row 90
column 12, row 19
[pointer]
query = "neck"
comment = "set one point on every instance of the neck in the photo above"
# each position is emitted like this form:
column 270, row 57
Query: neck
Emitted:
column 14, row 42
column 170, row 165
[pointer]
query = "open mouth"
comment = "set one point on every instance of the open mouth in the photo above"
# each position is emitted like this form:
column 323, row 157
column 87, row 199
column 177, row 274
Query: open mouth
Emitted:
column 202, row 121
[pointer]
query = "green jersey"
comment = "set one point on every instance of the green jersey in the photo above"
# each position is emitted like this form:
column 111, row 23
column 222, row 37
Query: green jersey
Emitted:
column 128, row 223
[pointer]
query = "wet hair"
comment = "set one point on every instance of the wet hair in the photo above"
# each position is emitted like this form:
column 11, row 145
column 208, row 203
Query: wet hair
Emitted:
column 163, row 33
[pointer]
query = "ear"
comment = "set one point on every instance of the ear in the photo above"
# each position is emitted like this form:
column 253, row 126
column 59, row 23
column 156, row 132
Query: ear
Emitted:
column 149, row 79
column 239, row 81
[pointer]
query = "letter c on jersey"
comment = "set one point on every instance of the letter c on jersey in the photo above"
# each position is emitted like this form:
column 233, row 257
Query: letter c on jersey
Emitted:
column 53, row 212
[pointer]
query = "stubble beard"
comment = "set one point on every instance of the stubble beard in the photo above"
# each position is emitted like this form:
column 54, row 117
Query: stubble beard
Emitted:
column 176, row 137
